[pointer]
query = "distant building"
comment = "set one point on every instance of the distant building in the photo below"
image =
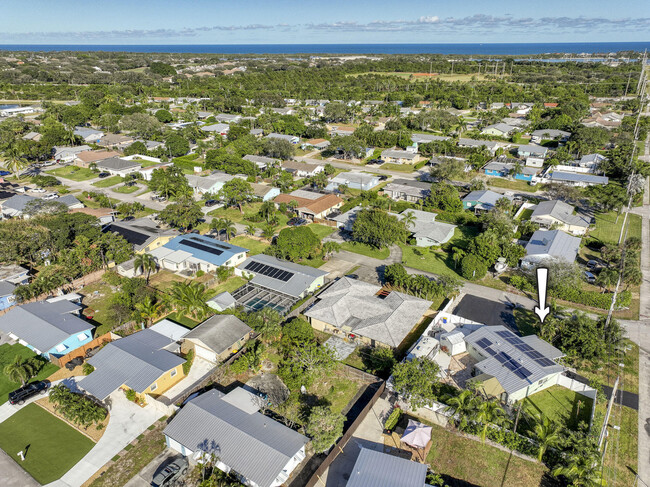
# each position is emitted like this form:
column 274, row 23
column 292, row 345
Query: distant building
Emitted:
column 11, row 275
column 576, row 179
column 399, row 156
column 549, row 134
column 302, row 169
column 407, row 190
column 426, row 138
column 118, row 167
column 353, row 180
column 310, row 205
column 289, row 138
column 88, row 135
column 531, row 150
column 499, row 129
column 262, row 162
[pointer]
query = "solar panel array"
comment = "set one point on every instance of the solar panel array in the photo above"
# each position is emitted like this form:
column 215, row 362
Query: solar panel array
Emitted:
column 518, row 343
column 200, row 246
column 216, row 245
column 511, row 364
column 269, row 271
column 132, row 236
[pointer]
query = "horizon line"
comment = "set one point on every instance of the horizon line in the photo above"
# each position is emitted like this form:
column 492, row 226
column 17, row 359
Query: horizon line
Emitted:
column 339, row 43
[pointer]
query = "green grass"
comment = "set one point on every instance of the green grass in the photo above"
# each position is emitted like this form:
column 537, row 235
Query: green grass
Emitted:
column 235, row 282
column 145, row 163
column 526, row 321
column 183, row 320
column 254, row 246
column 54, row 447
column 479, row 464
column 526, row 214
column 127, row 189
column 512, row 184
column 389, row 166
column 562, row 405
column 7, row 355
column 108, row 182
column 367, row 250
column 434, row 261
column 607, row 229
column 249, row 210
column 73, row 172
column 321, row 231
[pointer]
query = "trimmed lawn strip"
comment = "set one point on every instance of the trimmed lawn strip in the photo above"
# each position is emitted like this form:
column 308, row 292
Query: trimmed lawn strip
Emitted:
column 321, row 231
column 435, row 261
column 127, row 189
column 389, row 166
column 562, row 405
column 254, row 246
column 607, row 229
column 512, row 184
column 54, row 447
column 107, row 182
column 7, row 354
column 74, row 173
column 367, row 250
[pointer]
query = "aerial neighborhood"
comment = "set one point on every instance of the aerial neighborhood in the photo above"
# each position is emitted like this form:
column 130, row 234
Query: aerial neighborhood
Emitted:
column 322, row 270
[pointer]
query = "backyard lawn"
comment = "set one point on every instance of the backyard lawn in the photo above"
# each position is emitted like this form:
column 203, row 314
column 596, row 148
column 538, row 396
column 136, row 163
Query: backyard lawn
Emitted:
column 608, row 229
column 250, row 210
column 52, row 446
column 107, row 182
column 479, row 464
column 526, row 214
column 7, row 354
column 73, row 172
column 512, row 184
column 254, row 246
column 367, row 250
column 562, row 405
column 435, row 261
column 321, row 231
column 234, row 282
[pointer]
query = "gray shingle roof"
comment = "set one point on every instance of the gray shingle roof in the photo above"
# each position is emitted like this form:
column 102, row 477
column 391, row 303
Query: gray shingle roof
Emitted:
column 355, row 304
column 44, row 325
column 425, row 226
column 377, row 469
column 424, row 138
column 485, row 197
column 407, row 186
column 137, row 360
column 220, row 332
column 115, row 164
column 560, row 211
column 18, row 202
column 550, row 133
column 552, row 243
column 510, row 381
column 252, row 444
column 303, row 276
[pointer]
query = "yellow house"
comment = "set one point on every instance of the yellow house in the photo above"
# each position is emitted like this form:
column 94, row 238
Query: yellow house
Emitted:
column 143, row 233
column 217, row 338
column 144, row 362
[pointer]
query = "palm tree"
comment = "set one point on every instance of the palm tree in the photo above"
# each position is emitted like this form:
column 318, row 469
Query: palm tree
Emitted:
column 20, row 370
column 581, row 470
column 547, row 434
column 145, row 262
column 268, row 231
column 148, row 309
column 489, row 412
column 464, row 406
column 266, row 210
column 517, row 168
column 229, row 228
column 607, row 278
column 250, row 229
column 190, row 299
column 408, row 219
column 217, row 224
column 14, row 160
column 267, row 323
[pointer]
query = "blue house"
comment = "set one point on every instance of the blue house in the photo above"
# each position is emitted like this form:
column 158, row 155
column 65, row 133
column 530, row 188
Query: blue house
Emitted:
column 10, row 277
column 48, row 328
column 504, row 169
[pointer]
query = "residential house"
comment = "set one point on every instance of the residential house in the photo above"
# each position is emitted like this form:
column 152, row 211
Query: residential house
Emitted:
column 143, row 233
column 549, row 134
column 353, row 180
column 407, row 190
column 258, row 450
column 86, row 158
column 342, row 131
column 426, row 138
column 256, row 132
column 147, row 171
column 483, row 200
column 140, row 362
column 116, row 141
column 15, row 206
column 217, row 338
column 264, row 191
column 576, row 179
column 400, row 156
column 228, row 118
column 65, row 155
column 118, row 166
column 345, row 221
column 171, row 330
column 499, row 130
column 48, row 328
column 283, row 110
column 88, row 135
column 426, row 231
column 504, row 167
column 377, row 469
column 366, row 313
column 210, row 184
column 591, row 162
column 191, row 253
column 222, row 301
column 262, row 162
column 537, row 162
column 561, row 215
column 289, row 138
column 104, row 215
column 35, row 136
column 318, row 144
column 217, row 129
column 11, row 275
column 491, row 146
column 532, row 150
column 302, row 169
column 547, row 245
column 310, row 205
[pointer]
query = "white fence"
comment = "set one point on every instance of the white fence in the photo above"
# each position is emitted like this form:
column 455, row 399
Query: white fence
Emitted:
column 582, row 389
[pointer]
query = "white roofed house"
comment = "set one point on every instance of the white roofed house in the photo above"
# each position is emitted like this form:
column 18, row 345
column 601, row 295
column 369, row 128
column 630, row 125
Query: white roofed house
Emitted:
column 400, row 156
column 561, row 215
column 477, row 144
column 426, row 230
column 88, row 135
column 210, row 184
column 262, row 162
column 407, row 190
column 216, row 129
column 499, row 129
column 547, row 245
column 549, row 134
column 289, row 138
column 353, row 180
column 217, row 338
column 258, row 450
column 532, row 150
column 118, row 167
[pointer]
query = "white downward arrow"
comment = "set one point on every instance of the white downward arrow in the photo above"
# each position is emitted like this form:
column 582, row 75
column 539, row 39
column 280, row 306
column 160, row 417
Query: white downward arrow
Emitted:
column 542, row 279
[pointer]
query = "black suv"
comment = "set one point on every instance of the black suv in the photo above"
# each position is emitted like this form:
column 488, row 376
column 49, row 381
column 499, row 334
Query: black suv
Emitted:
column 74, row 363
column 171, row 473
column 19, row 396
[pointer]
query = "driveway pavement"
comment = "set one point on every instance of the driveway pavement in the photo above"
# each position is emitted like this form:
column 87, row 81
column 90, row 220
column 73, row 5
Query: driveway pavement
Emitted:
column 201, row 368
column 12, row 475
column 145, row 476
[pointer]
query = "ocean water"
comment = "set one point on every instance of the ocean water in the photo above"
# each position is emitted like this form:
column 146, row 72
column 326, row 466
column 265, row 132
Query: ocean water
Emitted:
column 469, row 49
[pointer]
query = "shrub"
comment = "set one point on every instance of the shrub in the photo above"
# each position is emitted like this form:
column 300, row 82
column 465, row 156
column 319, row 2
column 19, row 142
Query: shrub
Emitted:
column 239, row 366
column 591, row 298
column 200, row 273
column 87, row 368
column 75, row 407
column 393, row 419
column 130, row 395
column 473, row 268
column 522, row 283
column 189, row 358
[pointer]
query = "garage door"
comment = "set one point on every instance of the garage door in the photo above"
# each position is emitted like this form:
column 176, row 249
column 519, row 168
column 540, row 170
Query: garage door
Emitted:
column 205, row 353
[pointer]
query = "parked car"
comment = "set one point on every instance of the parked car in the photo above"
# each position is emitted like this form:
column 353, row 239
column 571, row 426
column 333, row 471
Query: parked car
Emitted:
column 19, row 396
column 171, row 473
column 50, row 196
column 37, row 190
column 74, row 363
column 211, row 202
column 297, row 222
column 592, row 264
column 128, row 218
column 590, row 278
column 104, row 174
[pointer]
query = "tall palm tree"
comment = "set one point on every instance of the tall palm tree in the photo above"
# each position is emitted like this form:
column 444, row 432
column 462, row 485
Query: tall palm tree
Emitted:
column 408, row 219
column 517, row 168
column 229, row 228
column 547, row 434
column 146, row 263
column 266, row 210
column 190, row 299
column 464, row 407
column 20, row 370
column 487, row 413
column 148, row 310
column 14, row 160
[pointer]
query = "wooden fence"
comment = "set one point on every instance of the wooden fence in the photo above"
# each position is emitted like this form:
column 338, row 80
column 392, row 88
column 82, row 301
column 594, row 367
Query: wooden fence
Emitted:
column 81, row 351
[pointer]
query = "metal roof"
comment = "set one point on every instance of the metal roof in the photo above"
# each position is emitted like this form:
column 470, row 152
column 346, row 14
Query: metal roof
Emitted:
column 507, row 361
column 115, row 164
column 219, row 332
column 170, row 329
column 578, row 177
column 377, row 469
column 302, row 279
column 136, row 361
column 425, row 226
column 44, row 325
column 560, row 211
column 204, row 248
column 552, row 244
column 485, row 197
column 253, row 445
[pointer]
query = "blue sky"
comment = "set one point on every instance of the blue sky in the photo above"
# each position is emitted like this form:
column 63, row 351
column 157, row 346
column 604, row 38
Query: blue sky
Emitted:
column 316, row 22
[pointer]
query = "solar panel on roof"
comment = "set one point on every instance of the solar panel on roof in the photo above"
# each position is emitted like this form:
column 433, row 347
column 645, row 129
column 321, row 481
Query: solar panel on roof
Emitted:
column 522, row 372
column 131, row 236
column 490, row 351
column 269, row 271
column 544, row 362
column 216, row 245
column 200, row 246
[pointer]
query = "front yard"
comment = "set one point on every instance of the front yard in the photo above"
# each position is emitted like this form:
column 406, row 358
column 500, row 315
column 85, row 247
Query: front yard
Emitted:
column 608, row 227
column 432, row 260
column 74, row 173
column 51, row 446
column 127, row 189
column 321, row 231
column 7, row 355
column 107, row 182
column 254, row 246
column 562, row 405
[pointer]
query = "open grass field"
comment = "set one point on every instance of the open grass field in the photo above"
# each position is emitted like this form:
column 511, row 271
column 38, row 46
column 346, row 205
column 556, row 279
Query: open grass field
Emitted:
column 561, row 405
column 367, row 250
column 321, row 231
column 512, row 184
column 463, row 78
column 608, row 229
column 389, row 166
column 52, row 446
column 480, row 464
column 74, row 173
column 108, row 182
column 7, row 355
column 254, row 246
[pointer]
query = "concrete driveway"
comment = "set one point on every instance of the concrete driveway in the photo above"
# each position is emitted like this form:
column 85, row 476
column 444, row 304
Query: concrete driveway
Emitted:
column 128, row 420
column 201, row 368
column 145, row 476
